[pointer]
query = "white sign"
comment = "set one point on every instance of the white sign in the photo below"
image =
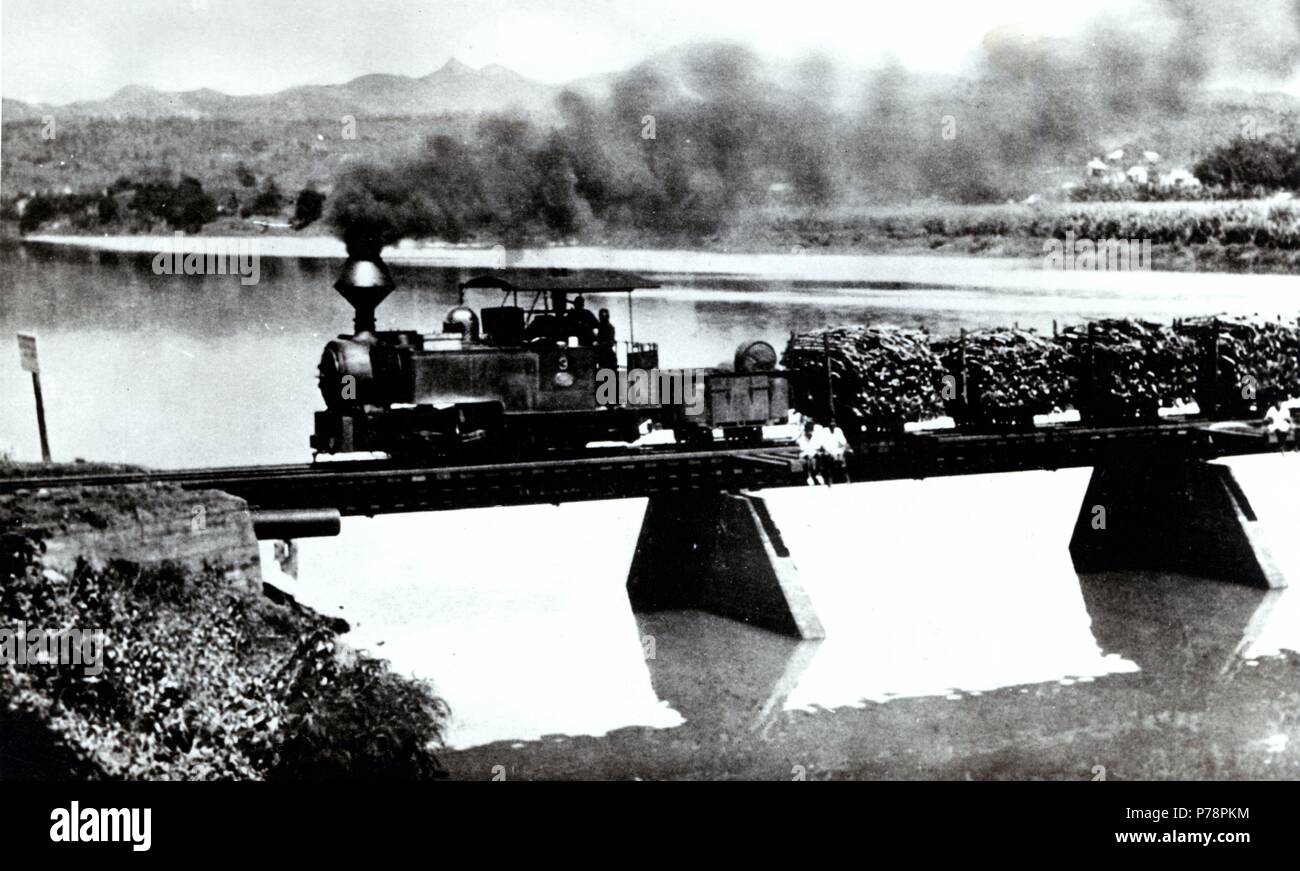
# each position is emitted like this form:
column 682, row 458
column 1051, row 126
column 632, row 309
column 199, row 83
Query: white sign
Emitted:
column 27, row 353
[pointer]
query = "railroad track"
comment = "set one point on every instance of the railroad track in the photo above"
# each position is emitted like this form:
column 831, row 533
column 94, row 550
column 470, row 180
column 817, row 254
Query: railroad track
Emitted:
column 385, row 486
column 369, row 469
column 183, row 476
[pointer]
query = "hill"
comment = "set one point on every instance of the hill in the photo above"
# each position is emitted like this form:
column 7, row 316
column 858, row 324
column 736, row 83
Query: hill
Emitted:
column 452, row 88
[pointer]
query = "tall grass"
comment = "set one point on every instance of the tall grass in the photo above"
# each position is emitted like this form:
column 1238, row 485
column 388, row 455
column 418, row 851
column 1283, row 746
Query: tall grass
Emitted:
column 1263, row 223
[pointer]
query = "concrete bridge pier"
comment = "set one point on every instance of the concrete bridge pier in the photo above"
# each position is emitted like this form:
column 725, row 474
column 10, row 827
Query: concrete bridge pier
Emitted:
column 721, row 553
column 1184, row 516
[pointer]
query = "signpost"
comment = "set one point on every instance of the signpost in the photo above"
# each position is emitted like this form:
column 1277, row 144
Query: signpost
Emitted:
column 31, row 363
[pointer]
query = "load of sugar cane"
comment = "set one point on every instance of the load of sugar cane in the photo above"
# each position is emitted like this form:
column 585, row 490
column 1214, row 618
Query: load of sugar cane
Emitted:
column 1009, row 375
column 1127, row 369
column 880, row 376
column 1244, row 363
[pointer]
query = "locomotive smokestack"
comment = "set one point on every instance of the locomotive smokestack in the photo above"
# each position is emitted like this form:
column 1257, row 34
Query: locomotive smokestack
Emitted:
column 365, row 281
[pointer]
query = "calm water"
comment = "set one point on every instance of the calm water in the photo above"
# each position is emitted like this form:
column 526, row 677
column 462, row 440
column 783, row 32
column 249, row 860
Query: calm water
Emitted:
column 950, row 604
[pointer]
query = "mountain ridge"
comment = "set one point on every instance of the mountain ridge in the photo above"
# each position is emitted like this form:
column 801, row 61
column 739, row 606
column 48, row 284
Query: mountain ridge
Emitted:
column 453, row 87
column 457, row 88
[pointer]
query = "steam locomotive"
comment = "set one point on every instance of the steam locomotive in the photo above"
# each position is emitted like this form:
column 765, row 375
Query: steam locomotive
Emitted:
column 514, row 379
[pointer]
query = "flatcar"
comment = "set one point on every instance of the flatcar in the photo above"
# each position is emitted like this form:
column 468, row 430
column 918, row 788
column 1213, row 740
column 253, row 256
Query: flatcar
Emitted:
column 523, row 376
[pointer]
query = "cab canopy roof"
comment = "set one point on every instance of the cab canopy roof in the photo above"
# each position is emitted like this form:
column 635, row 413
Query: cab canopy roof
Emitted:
column 567, row 280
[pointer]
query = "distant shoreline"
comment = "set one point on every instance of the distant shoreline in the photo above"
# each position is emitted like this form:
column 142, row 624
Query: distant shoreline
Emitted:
column 900, row 270
column 1239, row 237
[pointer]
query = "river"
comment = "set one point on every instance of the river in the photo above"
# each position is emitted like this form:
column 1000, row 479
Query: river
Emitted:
column 961, row 641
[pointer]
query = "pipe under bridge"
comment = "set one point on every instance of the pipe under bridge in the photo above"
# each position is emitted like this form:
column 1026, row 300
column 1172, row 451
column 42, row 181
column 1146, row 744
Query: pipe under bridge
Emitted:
column 1155, row 501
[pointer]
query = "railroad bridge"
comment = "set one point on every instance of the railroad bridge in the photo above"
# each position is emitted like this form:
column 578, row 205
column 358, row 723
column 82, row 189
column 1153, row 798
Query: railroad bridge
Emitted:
column 708, row 542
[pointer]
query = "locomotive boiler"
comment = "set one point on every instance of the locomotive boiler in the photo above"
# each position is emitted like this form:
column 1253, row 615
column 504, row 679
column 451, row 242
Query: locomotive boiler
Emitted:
column 521, row 376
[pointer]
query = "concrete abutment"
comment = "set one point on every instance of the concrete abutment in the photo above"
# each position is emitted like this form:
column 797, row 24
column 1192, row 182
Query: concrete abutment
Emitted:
column 720, row 553
column 1190, row 517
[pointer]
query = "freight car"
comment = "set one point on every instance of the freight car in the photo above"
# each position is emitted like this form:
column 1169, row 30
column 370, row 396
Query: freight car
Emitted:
column 522, row 376
column 1112, row 372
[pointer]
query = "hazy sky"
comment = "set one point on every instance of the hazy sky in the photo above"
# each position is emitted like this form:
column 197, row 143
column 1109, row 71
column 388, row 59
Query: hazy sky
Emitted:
column 62, row 50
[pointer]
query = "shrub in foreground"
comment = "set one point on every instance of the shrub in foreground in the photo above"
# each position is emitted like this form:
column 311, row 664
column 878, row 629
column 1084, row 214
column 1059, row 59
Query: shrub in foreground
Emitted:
column 202, row 680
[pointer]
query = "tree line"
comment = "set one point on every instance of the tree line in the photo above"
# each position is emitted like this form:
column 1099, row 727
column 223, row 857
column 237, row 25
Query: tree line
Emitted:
column 155, row 202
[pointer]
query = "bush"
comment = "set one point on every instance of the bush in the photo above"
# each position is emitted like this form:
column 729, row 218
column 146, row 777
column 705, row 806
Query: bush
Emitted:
column 347, row 716
column 39, row 210
column 308, row 208
column 1271, row 163
column 269, row 200
column 190, row 208
column 204, row 681
column 107, row 209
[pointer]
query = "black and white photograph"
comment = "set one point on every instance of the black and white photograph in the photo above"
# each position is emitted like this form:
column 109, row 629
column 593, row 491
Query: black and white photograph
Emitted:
column 613, row 390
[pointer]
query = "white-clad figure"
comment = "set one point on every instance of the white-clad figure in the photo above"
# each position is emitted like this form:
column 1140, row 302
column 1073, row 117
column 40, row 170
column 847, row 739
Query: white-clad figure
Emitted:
column 836, row 444
column 810, row 442
column 1279, row 422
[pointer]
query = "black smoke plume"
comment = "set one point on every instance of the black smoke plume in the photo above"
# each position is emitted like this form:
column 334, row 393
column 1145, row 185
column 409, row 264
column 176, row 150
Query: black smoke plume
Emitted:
column 690, row 143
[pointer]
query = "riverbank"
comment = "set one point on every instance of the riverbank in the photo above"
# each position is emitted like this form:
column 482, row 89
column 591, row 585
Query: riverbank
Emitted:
column 670, row 266
column 176, row 661
column 1259, row 235
column 1235, row 236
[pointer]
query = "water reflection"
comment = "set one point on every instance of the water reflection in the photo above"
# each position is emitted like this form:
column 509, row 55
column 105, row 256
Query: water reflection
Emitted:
column 722, row 675
column 944, row 585
column 1193, row 629
column 1178, row 628
column 519, row 615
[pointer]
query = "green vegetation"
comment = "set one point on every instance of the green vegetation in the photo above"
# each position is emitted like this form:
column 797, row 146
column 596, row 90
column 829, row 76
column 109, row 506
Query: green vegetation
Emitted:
column 1242, row 235
column 1271, row 163
column 70, row 174
column 225, row 154
column 156, row 206
column 308, row 208
column 205, row 681
column 268, row 201
column 144, row 206
column 1263, row 223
